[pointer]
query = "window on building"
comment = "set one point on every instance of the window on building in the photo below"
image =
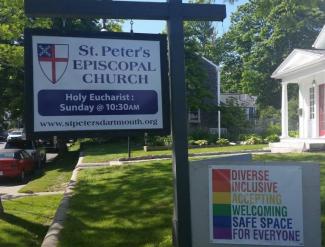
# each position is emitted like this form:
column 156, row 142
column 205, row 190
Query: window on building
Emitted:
column 252, row 112
column 194, row 116
column 312, row 103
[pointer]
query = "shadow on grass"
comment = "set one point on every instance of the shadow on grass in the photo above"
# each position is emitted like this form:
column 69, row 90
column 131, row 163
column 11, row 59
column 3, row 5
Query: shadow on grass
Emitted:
column 17, row 235
column 25, row 221
column 63, row 163
column 121, row 206
column 32, row 227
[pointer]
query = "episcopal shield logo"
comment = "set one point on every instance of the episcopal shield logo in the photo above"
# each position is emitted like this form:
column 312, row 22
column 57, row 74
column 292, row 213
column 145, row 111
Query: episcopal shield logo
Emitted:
column 53, row 60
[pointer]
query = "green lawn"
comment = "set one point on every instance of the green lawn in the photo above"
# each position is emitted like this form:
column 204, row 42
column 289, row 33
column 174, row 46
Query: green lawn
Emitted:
column 121, row 206
column 55, row 176
column 106, row 152
column 26, row 220
column 132, row 205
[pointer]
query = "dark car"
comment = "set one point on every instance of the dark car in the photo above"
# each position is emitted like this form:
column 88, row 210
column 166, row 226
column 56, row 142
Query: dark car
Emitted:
column 15, row 163
column 37, row 152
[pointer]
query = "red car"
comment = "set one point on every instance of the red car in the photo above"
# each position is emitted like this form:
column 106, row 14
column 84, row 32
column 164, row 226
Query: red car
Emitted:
column 15, row 163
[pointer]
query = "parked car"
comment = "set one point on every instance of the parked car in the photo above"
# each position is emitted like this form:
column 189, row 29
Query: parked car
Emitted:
column 16, row 135
column 37, row 152
column 15, row 163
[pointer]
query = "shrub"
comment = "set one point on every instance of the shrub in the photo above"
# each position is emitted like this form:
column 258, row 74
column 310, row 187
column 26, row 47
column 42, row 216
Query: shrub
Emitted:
column 191, row 142
column 243, row 137
column 222, row 142
column 212, row 138
column 294, row 133
column 254, row 139
column 272, row 138
column 155, row 141
column 167, row 140
column 199, row 134
column 201, row 142
column 273, row 129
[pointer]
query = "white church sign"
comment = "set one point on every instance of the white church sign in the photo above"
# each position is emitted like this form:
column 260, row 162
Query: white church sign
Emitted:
column 96, row 82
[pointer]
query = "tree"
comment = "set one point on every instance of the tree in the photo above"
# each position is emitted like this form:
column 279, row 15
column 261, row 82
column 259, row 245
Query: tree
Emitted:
column 1, row 207
column 199, row 38
column 12, row 24
column 233, row 119
column 261, row 35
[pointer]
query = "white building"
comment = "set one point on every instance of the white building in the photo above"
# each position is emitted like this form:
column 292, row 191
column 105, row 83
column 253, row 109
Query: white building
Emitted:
column 305, row 67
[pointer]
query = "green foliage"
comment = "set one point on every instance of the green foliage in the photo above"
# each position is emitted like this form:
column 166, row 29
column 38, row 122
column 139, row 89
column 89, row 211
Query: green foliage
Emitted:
column 159, row 140
column 223, row 142
column 198, row 134
column 294, row 133
column 199, row 37
column 212, row 138
column 12, row 24
column 261, row 35
column 201, row 142
column 168, row 140
column 269, row 121
column 273, row 129
column 270, row 114
column 191, row 142
column 234, row 119
column 293, row 117
column 252, row 139
column 272, row 138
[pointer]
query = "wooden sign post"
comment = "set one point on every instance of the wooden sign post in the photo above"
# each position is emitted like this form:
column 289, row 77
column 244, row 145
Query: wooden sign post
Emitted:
column 175, row 12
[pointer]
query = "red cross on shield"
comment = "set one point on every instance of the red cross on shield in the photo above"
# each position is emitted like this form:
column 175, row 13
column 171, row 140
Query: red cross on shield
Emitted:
column 53, row 60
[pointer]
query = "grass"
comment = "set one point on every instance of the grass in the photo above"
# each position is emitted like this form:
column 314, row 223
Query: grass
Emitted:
column 110, row 151
column 131, row 205
column 55, row 176
column 26, row 220
column 121, row 206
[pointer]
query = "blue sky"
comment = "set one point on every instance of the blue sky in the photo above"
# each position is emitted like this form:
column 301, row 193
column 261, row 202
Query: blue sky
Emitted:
column 145, row 26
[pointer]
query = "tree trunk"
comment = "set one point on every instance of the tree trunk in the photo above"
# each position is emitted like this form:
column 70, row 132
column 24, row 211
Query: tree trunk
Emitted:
column 1, row 207
column 62, row 146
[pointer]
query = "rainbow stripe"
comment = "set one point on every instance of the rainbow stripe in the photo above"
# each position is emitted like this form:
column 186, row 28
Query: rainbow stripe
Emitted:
column 221, row 189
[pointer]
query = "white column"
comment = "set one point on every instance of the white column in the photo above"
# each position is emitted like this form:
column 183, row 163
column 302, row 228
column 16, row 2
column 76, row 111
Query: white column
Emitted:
column 284, row 110
column 316, row 123
column 301, row 107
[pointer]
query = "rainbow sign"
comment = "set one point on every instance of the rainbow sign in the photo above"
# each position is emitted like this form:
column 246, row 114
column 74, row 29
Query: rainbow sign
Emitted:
column 256, row 205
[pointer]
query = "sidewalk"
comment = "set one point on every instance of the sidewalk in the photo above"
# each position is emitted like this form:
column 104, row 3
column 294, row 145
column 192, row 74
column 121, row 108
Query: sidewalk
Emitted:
column 10, row 191
column 122, row 161
column 14, row 195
